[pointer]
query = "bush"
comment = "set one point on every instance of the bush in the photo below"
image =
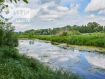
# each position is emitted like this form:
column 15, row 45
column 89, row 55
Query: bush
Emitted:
column 74, row 32
column 7, row 36
column 64, row 34
column 67, row 33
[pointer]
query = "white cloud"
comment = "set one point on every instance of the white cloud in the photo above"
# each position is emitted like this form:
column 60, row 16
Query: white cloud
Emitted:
column 95, row 5
column 61, row 8
column 91, row 16
column 23, row 26
column 96, row 61
column 57, row 12
column 101, row 12
column 103, row 19
column 34, row 12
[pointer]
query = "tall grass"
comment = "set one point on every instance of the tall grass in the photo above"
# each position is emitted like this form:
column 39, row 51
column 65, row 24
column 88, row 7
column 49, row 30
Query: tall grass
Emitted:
column 16, row 66
column 95, row 39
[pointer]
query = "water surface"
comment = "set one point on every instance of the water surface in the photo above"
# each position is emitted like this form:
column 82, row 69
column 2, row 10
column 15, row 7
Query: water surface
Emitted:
column 89, row 64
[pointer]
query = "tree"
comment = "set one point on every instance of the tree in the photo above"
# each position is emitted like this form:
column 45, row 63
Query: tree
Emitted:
column 96, row 29
column 7, row 34
column 93, row 25
column 89, row 29
column 31, row 34
column 100, row 28
column 44, row 33
column 49, row 31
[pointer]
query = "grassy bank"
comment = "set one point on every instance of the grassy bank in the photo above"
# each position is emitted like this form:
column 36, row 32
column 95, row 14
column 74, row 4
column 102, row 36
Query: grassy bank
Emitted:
column 95, row 39
column 16, row 66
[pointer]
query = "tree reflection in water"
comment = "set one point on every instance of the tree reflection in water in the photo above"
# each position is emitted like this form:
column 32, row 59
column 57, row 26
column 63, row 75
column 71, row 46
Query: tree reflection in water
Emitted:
column 31, row 42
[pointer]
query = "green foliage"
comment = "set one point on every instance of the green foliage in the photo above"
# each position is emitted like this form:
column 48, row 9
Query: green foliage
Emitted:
column 68, row 33
column 16, row 66
column 1, row 0
column 95, row 39
column 15, row 39
column 7, row 36
column 97, row 29
column 37, row 34
column 19, row 0
column 23, row 36
column 64, row 34
column 31, row 34
column 44, row 33
column 75, row 33
column 1, row 36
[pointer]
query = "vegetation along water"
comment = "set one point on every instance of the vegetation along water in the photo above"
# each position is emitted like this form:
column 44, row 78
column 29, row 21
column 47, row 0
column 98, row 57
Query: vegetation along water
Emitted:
column 91, row 35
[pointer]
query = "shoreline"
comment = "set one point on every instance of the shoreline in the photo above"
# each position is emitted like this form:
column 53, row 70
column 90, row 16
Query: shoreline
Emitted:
column 78, row 47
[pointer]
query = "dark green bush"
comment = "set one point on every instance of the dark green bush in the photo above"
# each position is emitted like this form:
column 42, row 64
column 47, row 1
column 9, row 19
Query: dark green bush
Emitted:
column 7, row 35
column 64, row 34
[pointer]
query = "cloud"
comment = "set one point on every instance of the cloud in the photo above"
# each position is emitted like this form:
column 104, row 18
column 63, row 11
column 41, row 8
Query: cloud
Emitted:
column 101, row 12
column 90, row 18
column 33, row 13
column 47, row 1
column 49, row 10
column 57, row 12
column 95, row 5
column 96, row 61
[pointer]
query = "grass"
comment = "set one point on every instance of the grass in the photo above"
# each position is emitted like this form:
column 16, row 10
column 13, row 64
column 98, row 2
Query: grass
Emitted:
column 16, row 66
column 94, row 39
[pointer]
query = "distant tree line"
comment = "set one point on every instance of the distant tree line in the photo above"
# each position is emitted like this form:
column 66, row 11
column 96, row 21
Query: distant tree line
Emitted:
column 89, row 28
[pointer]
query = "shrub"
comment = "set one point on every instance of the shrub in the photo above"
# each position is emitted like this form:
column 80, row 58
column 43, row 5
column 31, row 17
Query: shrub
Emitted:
column 64, row 34
column 7, row 36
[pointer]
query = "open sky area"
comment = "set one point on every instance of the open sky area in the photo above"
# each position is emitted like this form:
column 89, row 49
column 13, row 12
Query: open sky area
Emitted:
column 59, row 13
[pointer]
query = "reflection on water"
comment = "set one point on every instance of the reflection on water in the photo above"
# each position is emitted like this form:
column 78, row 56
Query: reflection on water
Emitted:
column 31, row 42
column 89, row 64
column 96, row 60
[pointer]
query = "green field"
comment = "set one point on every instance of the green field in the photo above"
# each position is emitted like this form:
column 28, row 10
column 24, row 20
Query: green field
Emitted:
column 93, row 39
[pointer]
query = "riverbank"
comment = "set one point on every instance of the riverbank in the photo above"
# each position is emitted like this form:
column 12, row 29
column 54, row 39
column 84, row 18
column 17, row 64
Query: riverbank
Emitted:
column 15, row 66
column 86, row 48
column 95, row 39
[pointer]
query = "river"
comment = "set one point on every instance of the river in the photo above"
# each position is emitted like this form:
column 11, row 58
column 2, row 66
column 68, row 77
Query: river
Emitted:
column 87, row 63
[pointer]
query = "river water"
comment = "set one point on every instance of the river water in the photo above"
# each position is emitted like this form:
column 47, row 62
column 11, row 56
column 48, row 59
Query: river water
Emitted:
column 89, row 64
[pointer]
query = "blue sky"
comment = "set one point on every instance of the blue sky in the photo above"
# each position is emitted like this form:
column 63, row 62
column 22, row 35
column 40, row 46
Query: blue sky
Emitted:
column 59, row 13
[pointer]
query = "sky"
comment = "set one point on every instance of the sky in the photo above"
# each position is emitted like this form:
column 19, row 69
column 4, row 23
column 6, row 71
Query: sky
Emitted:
column 58, row 13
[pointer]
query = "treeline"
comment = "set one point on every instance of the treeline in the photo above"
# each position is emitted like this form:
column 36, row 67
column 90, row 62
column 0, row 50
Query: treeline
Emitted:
column 89, row 28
